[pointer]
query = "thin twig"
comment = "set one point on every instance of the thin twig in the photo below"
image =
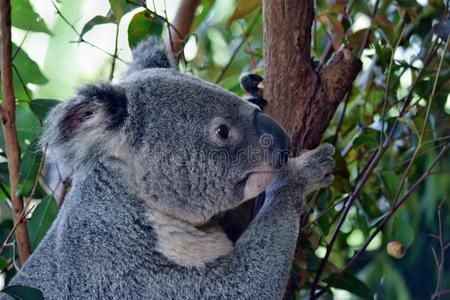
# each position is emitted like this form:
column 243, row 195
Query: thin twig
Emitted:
column 441, row 261
column 36, row 179
column 80, row 37
column 21, row 43
column 388, row 84
column 23, row 217
column 10, row 133
column 113, row 62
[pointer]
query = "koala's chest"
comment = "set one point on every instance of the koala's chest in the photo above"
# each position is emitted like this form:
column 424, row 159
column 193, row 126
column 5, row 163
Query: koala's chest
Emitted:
column 187, row 245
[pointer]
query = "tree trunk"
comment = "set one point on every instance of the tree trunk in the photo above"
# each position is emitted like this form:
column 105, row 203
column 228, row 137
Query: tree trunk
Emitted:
column 300, row 96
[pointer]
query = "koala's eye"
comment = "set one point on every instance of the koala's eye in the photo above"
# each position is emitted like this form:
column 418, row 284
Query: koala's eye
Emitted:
column 222, row 131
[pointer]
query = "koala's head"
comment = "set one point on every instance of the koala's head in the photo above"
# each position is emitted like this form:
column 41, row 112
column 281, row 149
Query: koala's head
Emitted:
column 187, row 148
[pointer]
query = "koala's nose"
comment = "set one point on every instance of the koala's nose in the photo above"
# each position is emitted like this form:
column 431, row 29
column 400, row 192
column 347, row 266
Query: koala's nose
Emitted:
column 274, row 138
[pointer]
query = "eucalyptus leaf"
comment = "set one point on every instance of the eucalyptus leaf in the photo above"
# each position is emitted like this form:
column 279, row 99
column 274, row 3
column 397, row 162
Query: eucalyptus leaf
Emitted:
column 121, row 7
column 41, row 107
column 29, row 167
column 22, row 292
column 28, row 69
column 3, row 263
column 97, row 20
column 28, row 125
column 41, row 220
column 407, row 3
column 390, row 182
column 244, row 8
column 351, row 283
column 24, row 17
column 142, row 25
column 402, row 232
column 364, row 139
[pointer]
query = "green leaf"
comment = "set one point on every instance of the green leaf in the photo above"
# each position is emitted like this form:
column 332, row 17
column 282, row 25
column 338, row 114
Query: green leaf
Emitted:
column 120, row 8
column 21, row 292
column 243, row 9
column 351, row 283
column 97, row 20
column 142, row 25
column 390, row 182
column 3, row 263
column 407, row 3
column 364, row 139
column 29, row 167
column 28, row 126
column 204, row 7
column 402, row 232
column 41, row 107
column 28, row 69
column 4, row 174
column 231, row 83
column 41, row 220
column 24, row 17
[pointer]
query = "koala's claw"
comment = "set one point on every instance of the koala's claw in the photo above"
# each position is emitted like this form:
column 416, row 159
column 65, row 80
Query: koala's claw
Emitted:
column 315, row 167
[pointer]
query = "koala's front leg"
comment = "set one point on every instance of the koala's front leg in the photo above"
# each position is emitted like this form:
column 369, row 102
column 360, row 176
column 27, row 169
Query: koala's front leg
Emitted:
column 261, row 261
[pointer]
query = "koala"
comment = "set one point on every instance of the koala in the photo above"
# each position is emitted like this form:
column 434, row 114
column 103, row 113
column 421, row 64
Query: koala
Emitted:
column 157, row 157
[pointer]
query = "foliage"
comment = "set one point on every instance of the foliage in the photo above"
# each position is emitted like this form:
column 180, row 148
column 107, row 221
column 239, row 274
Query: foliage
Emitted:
column 405, row 64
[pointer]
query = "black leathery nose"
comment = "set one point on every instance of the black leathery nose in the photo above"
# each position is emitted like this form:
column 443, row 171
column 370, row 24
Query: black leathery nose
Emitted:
column 274, row 137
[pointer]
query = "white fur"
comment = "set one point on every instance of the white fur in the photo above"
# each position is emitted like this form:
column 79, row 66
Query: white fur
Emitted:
column 186, row 244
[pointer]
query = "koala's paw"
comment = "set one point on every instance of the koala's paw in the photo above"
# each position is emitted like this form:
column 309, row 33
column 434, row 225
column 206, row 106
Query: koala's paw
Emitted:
column 314, row 168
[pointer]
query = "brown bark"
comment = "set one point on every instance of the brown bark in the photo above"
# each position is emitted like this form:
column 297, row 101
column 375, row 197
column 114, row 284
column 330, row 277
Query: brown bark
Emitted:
column 182, row 22
column 302, row 98
column 8, row 114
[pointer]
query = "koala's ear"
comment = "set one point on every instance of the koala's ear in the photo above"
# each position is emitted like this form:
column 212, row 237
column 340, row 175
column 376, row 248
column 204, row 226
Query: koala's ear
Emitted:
column 88, row 126
column 151, row 53
column 251, row 84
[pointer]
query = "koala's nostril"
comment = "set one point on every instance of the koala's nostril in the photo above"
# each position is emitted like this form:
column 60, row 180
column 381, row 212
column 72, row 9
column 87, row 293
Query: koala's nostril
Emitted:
column 274, row 138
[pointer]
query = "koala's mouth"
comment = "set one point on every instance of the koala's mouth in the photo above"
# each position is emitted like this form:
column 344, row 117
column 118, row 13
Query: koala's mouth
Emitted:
column 258, row 179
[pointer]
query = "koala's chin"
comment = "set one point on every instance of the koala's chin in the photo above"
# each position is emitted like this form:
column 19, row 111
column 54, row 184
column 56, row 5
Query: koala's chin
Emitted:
column 258, row 179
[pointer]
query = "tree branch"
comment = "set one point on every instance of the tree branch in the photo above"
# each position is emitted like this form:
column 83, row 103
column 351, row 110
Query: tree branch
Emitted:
column 10, row 133
column 182, row 22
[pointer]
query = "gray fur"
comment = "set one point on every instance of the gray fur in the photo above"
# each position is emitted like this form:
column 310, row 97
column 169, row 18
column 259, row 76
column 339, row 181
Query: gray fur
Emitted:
column 151, row 54
column 147, row 148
